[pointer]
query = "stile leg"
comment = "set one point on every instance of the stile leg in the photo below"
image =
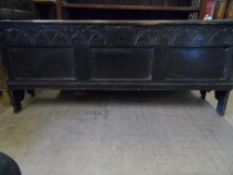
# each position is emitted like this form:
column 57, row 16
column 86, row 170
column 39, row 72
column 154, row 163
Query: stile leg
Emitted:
column 203, row 94
column 17, row 97
column 222, row 97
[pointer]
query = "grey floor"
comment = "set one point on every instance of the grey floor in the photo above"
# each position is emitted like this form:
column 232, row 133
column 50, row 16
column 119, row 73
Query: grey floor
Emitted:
column 119, row 134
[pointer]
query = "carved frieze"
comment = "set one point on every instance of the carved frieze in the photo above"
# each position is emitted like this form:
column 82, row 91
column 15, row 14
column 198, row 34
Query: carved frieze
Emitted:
column 68, row 35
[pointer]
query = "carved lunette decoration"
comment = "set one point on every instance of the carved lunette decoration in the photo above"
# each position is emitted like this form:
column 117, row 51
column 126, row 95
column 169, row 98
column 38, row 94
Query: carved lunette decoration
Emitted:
column 115, row 35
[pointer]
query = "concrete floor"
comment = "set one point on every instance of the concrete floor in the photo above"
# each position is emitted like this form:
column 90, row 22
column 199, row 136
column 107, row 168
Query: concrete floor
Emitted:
column 119, row 133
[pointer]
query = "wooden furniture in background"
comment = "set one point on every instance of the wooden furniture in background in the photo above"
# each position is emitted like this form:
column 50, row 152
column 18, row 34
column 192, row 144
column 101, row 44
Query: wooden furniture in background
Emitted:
column 59, row 9
column 45, row 9
column 223, row 9
column 220, row 9
column 229, row 11
column 193, row 9
column 207, row 8
column 203, row 6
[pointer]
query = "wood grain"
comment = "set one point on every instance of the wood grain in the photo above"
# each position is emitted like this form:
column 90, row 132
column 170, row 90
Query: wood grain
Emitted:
column 129, row 7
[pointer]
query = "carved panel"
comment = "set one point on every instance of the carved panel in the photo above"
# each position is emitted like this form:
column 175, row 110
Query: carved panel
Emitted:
column 115, row 35
column 41, row 38
column 33, row 63
column 187, row 64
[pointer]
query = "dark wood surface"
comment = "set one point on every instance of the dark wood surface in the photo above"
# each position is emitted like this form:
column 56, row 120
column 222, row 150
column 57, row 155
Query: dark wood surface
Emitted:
column 131, row 7
column 164, row 7
column 119, row 55
column 135, row 2
column 203, row 9
column 44, row 2
column 45, row 9
column 59, row 9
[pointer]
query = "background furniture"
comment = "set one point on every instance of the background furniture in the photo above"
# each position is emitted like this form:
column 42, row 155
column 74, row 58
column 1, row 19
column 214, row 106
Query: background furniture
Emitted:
column 123, row 55
column 45, row 9
column 219, row 9
column 229, row 10
column 131, row 9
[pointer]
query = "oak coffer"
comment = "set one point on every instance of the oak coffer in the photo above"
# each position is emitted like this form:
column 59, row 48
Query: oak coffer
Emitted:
column 118, row 55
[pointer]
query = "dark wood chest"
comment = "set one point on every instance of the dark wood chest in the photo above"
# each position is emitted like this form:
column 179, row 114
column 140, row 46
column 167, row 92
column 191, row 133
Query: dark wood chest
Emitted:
column 119, row 55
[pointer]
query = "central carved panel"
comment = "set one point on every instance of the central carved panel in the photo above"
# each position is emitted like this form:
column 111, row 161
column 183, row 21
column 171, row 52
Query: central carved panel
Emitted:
column 121, row 63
